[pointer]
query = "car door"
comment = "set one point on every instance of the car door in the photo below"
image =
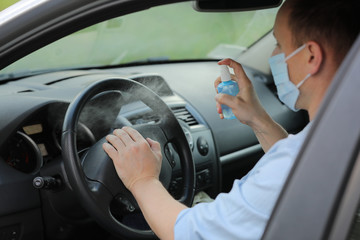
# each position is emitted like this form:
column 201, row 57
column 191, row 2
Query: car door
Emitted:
column 320, row 198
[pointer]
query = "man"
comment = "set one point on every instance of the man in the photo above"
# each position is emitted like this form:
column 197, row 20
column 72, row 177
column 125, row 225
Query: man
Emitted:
column 307, row 55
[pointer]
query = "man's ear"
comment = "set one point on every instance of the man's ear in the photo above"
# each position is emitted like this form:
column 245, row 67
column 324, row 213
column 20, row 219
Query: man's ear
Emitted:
column 314, row 57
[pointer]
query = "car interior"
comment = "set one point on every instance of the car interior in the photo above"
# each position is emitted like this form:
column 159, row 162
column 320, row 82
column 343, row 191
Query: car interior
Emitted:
column 135, row 64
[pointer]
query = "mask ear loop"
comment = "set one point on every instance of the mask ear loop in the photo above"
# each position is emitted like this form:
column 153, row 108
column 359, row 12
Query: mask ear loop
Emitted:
column 295, row 52
column 302, row 81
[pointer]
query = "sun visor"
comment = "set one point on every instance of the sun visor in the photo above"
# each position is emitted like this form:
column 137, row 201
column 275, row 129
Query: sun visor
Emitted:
column 234, row 5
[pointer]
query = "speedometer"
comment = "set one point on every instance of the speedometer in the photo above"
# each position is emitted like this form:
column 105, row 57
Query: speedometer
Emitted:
column 22, row 153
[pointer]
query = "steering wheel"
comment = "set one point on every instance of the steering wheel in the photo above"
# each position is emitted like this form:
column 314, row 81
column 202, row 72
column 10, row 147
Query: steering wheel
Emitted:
column 93, row 177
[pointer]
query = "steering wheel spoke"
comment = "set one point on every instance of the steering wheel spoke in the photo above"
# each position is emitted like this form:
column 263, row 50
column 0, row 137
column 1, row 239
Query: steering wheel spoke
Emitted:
column 101, row 195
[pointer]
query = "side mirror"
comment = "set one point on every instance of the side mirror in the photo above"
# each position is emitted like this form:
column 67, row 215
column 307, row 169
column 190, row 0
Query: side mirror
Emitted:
column 234, row 5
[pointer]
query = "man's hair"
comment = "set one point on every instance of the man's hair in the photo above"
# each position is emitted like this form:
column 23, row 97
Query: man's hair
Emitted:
column 331, row 23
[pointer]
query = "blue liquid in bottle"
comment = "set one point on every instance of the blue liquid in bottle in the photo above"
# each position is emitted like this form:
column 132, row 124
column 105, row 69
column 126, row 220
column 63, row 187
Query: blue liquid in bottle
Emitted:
column 229, row 87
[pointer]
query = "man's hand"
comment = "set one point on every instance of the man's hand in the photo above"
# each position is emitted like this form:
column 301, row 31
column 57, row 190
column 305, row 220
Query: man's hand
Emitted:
column 248, row 109
column 135, row 159
column 245, row 105
column 138, row 163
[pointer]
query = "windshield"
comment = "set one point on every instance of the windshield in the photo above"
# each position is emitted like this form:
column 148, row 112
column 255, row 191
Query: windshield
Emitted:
column 164, row 33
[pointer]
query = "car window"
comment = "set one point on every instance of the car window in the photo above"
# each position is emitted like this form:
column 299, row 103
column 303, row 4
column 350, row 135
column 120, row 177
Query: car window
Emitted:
column 163, row 33
column 6, row 3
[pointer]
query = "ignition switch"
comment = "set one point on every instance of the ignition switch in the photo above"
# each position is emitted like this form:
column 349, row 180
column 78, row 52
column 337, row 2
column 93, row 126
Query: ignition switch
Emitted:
column 49, row 183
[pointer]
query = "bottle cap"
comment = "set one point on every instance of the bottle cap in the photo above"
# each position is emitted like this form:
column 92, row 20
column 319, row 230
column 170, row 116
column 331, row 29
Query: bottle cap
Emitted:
column 224, row 73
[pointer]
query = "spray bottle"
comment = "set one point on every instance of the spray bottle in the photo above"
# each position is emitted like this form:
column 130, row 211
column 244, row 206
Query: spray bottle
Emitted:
column 227, row 86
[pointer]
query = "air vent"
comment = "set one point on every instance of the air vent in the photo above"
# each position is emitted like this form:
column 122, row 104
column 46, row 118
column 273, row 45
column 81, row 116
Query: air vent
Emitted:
column 183, row 114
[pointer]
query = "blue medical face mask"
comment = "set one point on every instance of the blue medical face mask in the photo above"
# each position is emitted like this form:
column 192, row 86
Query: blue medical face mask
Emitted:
column 288, row 92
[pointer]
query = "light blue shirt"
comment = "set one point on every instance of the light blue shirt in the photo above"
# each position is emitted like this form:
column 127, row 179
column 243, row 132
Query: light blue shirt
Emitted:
column 244, row 211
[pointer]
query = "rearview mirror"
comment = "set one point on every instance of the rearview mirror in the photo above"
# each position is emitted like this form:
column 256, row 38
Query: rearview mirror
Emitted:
column 234, row 5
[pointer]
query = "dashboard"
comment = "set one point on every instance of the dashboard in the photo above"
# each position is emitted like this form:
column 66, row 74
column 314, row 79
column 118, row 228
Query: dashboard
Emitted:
column 34, row 109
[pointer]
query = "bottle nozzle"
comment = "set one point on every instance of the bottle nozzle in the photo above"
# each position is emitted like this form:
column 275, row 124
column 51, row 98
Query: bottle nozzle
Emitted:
column 224, row 73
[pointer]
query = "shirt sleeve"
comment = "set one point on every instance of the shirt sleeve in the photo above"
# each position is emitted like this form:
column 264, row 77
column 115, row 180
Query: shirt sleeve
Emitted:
column 228, row 217
column 243, row 212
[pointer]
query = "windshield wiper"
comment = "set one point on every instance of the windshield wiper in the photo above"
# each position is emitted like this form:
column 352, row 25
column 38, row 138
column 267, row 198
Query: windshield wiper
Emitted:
column 8, row 77
column 149, row 60
column 13, row 76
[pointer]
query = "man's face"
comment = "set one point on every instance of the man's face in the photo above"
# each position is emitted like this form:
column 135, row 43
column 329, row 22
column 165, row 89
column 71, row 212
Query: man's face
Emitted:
column 285, row 44
column 282, row 33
